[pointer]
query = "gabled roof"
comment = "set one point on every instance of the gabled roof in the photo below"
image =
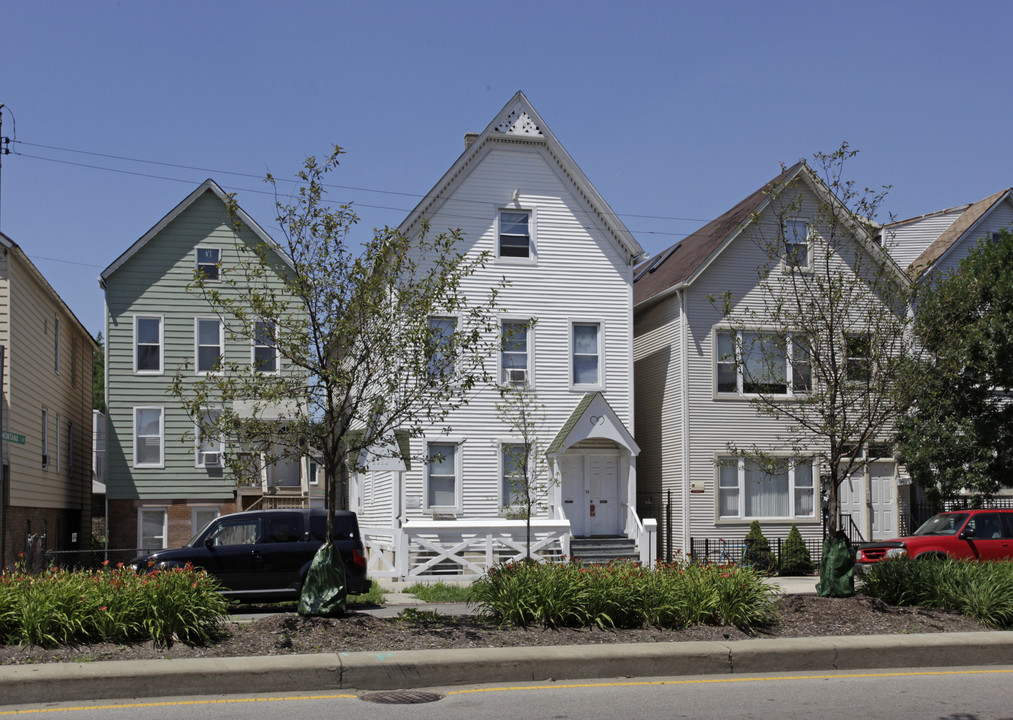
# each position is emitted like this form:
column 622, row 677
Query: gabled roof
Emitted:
column 592, row 418
column 518, row 122
column 17, row 252
column 208, row 185
column 962, row 227
column 681, row 264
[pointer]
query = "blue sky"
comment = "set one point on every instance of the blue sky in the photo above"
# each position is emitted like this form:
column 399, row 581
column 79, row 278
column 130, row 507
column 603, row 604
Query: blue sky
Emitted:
column 674, row 110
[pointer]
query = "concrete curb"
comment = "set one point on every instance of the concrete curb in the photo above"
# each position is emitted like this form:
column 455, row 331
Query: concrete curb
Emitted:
column 64, row 682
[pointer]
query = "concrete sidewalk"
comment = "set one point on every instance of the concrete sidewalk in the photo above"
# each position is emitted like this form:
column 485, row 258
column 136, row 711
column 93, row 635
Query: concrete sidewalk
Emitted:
column 63, row 682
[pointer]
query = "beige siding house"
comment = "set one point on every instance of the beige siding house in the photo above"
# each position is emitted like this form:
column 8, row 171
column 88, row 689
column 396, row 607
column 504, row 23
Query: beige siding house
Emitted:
column 47, row 414
column 693, row 399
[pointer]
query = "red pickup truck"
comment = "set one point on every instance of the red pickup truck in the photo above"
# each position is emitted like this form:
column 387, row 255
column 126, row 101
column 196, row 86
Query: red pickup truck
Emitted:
column 968, row 534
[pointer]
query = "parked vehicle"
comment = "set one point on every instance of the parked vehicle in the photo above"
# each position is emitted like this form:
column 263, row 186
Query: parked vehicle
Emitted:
column 966, row 534
column 263, row 555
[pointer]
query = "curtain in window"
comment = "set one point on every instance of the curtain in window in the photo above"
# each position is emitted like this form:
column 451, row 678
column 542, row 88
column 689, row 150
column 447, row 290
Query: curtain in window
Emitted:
column 766, row 495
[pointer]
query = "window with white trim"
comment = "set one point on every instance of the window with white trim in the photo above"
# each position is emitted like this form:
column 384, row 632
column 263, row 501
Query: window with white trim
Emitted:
column 209, row 349
column 149, row 431
column 265, row 347
column 748, row 489
column 210, row 448
column 796, row 243
column 755, row 362
column 586, row 349
column 209, row 262
column 441, row 332
column 515, row 355
column 200, row 516
column 443, row 475
column 148, row 344
column 514, row 234
column 152, row 528
column 514, row 474
column 858, row 347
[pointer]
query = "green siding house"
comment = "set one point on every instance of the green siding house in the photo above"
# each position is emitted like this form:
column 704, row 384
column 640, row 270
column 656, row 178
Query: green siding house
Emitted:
column 162, row 484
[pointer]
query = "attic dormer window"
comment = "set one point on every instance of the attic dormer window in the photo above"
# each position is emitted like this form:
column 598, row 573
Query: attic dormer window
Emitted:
column 208, row 262
column 514, row 234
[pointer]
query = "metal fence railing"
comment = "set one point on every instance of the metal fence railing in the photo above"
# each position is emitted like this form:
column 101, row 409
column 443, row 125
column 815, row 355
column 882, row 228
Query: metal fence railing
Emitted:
column 732, row 551
column 90, row 559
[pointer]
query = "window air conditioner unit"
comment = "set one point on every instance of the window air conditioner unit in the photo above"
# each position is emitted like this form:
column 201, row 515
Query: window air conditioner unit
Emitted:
column 517, row 377
column 212, row 459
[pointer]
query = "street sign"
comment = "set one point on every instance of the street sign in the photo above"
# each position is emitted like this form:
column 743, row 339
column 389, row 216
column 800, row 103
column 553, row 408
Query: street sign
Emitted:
column 13, row 437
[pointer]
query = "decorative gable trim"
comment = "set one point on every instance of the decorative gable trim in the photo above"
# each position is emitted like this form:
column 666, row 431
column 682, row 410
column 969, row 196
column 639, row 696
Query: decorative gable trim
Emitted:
column 592, row 418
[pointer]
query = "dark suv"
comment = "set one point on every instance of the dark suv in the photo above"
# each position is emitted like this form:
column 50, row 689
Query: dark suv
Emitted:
column 968, row 534
column 264, row 554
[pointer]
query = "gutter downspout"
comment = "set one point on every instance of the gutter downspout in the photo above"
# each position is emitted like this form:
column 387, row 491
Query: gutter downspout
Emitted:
column 684, row 383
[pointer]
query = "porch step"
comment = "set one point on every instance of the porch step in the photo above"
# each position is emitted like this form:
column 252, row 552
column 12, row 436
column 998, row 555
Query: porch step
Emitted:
column 600, row 550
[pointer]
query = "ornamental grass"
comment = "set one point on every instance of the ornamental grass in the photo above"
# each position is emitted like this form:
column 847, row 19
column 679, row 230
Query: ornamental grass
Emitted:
column 624, row 595
column 982, row 590
column 64, row 607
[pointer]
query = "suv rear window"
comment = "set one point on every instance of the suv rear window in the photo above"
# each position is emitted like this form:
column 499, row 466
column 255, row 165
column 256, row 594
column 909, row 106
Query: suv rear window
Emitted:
column 283, row 527
column 345, row 527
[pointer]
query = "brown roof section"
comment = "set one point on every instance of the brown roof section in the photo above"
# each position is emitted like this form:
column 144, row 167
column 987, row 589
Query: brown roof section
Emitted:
column 679, row 262
column 953, row 233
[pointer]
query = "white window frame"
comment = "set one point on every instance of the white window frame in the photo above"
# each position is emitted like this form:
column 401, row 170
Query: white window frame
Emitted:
column 207, row 446
column 435, row 355
column 198, row 265
column 456, row 507
column 197, row 344
column 56, row 345
column 505, row 503
column 791, row 362
column 599, row 383
column 195, row 526
column 865, row 360
column 45, row 438
column 532, row 256
column 161, row 436
column 141, row 512
column 161, row 344
column 529, row 337
column 254, row 345
column 791, row 232
column 727, row 466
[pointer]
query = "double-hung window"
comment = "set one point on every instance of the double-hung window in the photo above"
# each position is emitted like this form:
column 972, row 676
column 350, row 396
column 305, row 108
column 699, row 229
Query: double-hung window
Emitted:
column 762, row 363
column 210, row 447
column 750, row 489
column 149, row 431
column 859, row 363
column 515, row 352
column 514, row 234
column 514, row 469
column 152, row 526
column 265, row 348
column 442, row 475
column 209, row 345
column 441, row 359
column 796, row 243
column 586, row 360
column 209, row 262
column 45, row 437
column 148, row 344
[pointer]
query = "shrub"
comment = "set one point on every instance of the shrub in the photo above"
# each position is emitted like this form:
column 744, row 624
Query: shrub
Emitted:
column 795, row 557
column 757, row 554
column 623, row 594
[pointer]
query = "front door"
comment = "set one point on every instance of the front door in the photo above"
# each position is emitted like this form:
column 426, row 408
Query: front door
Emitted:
column 589, row 491
column 883, row 507
column 851, row 496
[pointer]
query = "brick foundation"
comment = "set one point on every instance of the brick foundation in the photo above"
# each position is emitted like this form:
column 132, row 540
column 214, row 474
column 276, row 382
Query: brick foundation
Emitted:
column 123, row 519
column 44, row 528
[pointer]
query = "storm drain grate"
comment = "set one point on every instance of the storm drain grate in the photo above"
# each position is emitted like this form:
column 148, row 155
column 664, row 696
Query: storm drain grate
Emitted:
column 401, row 697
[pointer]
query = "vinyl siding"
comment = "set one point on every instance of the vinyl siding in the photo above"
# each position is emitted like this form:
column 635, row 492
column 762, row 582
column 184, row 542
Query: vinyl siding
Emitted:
column 579, row 275
column 906, row 241
column 1000, row 218
column 153, row 282
column 31, row 383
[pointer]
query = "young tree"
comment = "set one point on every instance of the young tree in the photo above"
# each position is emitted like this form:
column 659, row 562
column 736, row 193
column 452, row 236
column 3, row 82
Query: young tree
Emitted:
column 958, row 434
column 821, row 345
column 98, row 376
column 525, row 469
column 371, row 337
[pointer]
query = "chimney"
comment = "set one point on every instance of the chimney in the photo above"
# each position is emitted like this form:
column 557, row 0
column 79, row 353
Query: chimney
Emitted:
column 469, row 138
